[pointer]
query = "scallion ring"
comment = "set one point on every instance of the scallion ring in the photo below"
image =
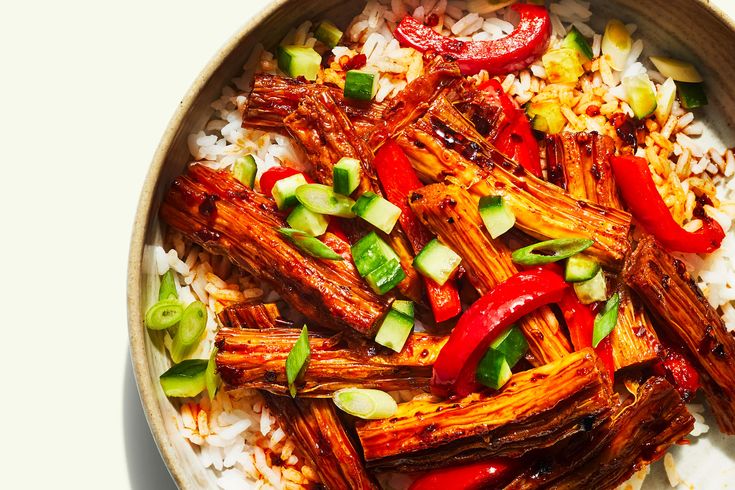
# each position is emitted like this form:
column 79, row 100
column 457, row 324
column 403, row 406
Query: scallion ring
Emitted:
column 192, row 326
column 164, row 314
column 365, row 403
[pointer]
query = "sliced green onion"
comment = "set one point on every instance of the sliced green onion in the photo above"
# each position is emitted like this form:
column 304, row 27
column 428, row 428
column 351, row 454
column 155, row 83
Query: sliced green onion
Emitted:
column 395, row 328
column 245, row 169
column 191, row 327
column 592, row 290
column 606, row 320
column 496, row 215
column 185, row 379
column 164, row 314
column 346, row 175
column 298, row 361
column 550, row 251
column 678, row 70
column 301, row 218
column 323, row 200
column 167, row 290
column 437, row 262
column 328, row 33
column 211, row 378
column 616, row 44
column 365, row 403
column 309, row 244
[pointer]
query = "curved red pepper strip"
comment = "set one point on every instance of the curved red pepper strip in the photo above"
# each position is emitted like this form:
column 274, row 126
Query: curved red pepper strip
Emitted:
column 398, row 180
column 506, row 303
column 466, row 477
column 515, row 138
column 640, row 194
column 514, row 52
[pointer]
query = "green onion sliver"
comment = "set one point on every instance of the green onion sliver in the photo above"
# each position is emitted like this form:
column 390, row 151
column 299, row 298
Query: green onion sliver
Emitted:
column 309, row 244
column 550, row 251
column 164, row 314
column 191, row 327
column 323, row 200
column 211, row 378
column 298, row 360
column 365, row 403
column 167, row 290
column 606, row 320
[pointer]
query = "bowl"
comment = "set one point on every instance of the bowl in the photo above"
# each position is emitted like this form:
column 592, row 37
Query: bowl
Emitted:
column 691, row 29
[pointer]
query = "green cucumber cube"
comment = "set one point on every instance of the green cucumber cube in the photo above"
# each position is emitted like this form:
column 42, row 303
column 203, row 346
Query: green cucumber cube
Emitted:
column 580, row 268
column 346, row 174
column 301, row 218
column 328, row 33
column 692, row 95
column 299, row 61
column 377, row 211
column 245, row 169
column 394, row 330
column 185, row 379
column 437, row 262
column 592, row 290
column 512, row 344
column 370, row 252
column 284, row 192
column 493, row 370
column 386, row 277
column 403, row 306
column 360, row 85
column 496, row 215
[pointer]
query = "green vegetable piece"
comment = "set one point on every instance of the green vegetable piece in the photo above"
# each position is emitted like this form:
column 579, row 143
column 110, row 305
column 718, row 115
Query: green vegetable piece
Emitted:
column 360, row 85
column 580, row 268
column 576, row 41
column 211, row 378
column 309, row 244
column 665, row 97
column 511, row 344
column 395, row 329
column 365, row 403
column 403, row 306
column 592, row 290
column 546, row 117
column 616, row 44
column 299, row 61
column 284, row 191
column 301, row 218
column 245, row 169
column 437, row 262
column 164, row 314
column 328, row 33
column 346, row 175
column 497, row 215
column 297, row 361
column 493, row 370
column 377, row 211
column 640, row 94
column 550, row 251
column 322, row 199
column 562, row 65
column 606, row 320
column 185, row 379
column 386, row 276
column 167, row 290
column 191, row 327
column 677, row 70
column 692, row 95
column 370, row 252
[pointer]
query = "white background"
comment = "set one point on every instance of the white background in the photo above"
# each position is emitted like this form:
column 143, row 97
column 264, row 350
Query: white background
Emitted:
column 86, row 90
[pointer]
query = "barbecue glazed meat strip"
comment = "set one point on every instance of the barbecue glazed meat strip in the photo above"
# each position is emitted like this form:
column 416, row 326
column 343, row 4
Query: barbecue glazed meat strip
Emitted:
column 225, row 217
column 686, row 317
column 256, row 359
column 535, row 409
column 274, row 97
column 322, row 439
column 580, row 164
column 450, row 212
column 640, row 431
column 327, row 135
column 256, row 315
column 444, row 146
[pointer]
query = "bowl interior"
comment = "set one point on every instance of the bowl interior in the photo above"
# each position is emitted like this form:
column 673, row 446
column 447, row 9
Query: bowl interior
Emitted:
column 687, row 29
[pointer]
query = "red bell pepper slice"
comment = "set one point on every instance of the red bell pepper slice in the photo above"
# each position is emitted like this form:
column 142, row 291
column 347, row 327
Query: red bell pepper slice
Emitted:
column 466, row 477
column 640, row 194
column 580, row 321
column 506, row 303
column 515, row 138
column 677, row 369
column 514, row 52
column 399, row 180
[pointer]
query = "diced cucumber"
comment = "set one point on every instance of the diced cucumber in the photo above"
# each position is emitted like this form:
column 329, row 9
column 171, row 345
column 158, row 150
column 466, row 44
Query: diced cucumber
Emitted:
column 346, row 175
column 592, row 290
column 512, row 344
column 309, row 244
column 493, row 370
column 284, row 191
column 377, row 211
column 370, row 252
column 211, row 378
column 185, row 379
column 394, row 330
column 546, row 116
column 323, row 200
column 562, row 65
column 360, row 85
column 679, row 71
column 301, row 218
column 691, row 95
column 580, row 268
column 245, row 169
column 403, row 306
column 437, row 262
column 640, row 94
column 665, row 100
column 576, row 41
column 497, row 215
column 328, row 33
column 299, row 61
column 385, row 277
column 616, row 44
